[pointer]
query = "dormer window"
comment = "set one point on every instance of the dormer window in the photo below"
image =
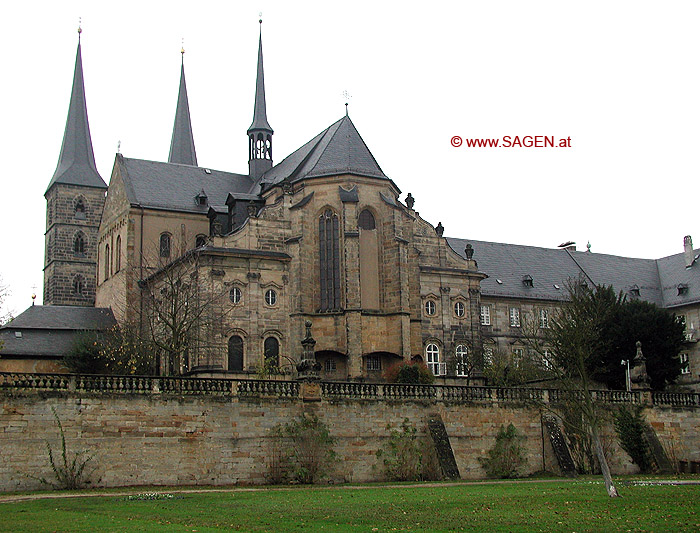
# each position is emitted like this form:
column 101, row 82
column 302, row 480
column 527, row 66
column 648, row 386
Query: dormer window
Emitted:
column 682, row 289
column 634, row 291
column 201, row 198
column 527, row 281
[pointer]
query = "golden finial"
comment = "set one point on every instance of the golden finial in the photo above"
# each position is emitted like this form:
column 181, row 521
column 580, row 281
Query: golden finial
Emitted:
column 260, row 15
column 80, row 27
column 182, row 50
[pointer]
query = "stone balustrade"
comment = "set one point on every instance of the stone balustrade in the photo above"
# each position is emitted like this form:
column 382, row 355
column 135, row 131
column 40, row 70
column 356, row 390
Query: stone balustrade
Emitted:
column 144, row 385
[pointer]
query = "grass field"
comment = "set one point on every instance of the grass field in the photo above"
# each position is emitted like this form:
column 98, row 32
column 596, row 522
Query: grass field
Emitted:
column 539, row 506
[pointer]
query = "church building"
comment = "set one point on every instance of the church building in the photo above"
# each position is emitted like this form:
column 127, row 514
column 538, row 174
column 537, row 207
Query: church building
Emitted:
column 322, row 235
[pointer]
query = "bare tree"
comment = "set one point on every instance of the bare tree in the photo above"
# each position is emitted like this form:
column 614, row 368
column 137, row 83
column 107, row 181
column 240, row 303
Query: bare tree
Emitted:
column 567, row 346
column 5, row 315
column 183, row 308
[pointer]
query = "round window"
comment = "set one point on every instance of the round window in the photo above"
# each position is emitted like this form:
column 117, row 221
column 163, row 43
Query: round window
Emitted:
column 429, row 308
column 270, row 297
column 459, row 309
column 235, row 295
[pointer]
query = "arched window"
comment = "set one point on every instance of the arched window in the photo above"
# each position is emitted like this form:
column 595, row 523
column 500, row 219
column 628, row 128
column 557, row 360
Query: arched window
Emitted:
column 79, row 244
column 78, row 285
column 272, row 352
column 235, row 354
column 432, row 358
column 106, row 259
column 200, row 240
column 369, row 261
column 118, row 254
column 462, row 359
column 164, row 245
column 80, row 208
column 329, row 260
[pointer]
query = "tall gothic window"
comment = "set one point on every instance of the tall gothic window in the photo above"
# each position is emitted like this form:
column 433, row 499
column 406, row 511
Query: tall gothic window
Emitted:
column 80, row 209
column 235, row 354
column 79, row 244
column 329, row 244
column 165, row 245
column 78, row 285
column 106, row 261
column 118, row 254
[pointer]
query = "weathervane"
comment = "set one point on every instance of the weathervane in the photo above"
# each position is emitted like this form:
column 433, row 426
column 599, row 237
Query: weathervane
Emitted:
column 346, row 96
column 260, row 17
column 119, row 147
column 80, row 27
column 182, row 50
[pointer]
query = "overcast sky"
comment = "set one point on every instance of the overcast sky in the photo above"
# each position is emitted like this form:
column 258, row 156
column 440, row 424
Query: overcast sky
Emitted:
column 619, row 78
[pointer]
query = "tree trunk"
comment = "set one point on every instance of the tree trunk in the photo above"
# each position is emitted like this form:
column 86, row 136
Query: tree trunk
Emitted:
column 605, row 470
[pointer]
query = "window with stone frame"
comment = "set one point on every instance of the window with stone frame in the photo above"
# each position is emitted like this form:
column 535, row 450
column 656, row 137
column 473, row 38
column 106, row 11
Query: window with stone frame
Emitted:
column 330, row 365
column 430, row 307
column 518, row 354
column 432, row 359
column 460, row 309
column 235, row 354
column 329, row 260
column 106, row 262
column 488, row 355
column 462, row 360
column 485, row 315
column 514, row 315
column 544, row 318
column 270, row 297
column 79, row 244
column 235, row 295
column 685, row 363
column 118, row 255
column 373, row 363
column 164, row 245
column 80, row 209
column 271, row 348
column 78, row 285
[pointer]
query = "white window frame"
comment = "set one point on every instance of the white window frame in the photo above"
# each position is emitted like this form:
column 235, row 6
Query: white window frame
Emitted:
column 544, row 318
column 685, row 363
column 430, row 308
column 488, row 355
column 271, row 297
column 547, row 359
column 235, row 295
column 485, row 315
column 461, row 356
column 432, row 358
column 514, row 317
column 460, row 309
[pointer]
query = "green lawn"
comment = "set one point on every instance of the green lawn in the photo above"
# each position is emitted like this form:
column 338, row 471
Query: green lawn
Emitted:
column 554, row 506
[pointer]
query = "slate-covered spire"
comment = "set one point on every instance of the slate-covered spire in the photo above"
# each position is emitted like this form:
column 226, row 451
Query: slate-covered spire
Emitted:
column 260, row 133
column 182, row 143
column 76, row 164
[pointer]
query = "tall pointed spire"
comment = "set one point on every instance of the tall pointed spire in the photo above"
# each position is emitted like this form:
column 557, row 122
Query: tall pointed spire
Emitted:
column 182, row 143
column 260, row 132
column 76, row 164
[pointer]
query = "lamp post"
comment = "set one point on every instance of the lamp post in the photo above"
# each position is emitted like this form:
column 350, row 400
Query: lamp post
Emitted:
column 628, row 381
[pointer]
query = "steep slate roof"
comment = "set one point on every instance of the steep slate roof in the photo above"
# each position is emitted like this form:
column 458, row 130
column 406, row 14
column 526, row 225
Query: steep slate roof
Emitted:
column 657, row 279
column 50, row 331
column 182, row 143
column 339, row 149
column 260, row 111
column 76, row 163
column 174, row 187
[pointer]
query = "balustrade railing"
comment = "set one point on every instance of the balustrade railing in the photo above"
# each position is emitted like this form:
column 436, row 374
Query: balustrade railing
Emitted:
column 242, row 388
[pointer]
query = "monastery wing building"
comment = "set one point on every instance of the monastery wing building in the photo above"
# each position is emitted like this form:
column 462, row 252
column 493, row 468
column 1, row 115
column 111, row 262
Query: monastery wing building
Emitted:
column 321, row 236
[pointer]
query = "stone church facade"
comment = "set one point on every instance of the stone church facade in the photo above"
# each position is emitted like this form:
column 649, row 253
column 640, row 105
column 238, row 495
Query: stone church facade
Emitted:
column 323, row 235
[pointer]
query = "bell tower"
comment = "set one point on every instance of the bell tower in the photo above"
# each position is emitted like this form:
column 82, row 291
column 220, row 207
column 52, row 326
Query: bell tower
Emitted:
column 260, row 133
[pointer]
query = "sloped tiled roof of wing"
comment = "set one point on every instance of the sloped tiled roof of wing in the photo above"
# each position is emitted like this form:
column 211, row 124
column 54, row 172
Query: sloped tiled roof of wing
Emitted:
column 174, row 187
column 673, row 273
column 337, row 150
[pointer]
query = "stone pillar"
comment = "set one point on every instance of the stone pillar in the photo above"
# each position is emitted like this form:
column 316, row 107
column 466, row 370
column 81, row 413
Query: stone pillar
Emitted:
column 308, row 369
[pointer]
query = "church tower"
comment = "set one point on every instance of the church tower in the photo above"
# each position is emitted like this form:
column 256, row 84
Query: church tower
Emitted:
column 182, row 143
column 260, row 132
column 74, row 201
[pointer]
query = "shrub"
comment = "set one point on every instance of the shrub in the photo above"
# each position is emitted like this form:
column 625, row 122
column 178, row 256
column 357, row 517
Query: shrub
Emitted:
column 85, row 355
column 402, row 455
column 69, row 473
column 308, row 454
column 413, row 372
column 630, row 426
column 506, row 457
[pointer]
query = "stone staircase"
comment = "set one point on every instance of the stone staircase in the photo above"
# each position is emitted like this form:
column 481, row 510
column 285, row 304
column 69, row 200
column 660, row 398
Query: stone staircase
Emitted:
column 443, row 447
column 561, row 450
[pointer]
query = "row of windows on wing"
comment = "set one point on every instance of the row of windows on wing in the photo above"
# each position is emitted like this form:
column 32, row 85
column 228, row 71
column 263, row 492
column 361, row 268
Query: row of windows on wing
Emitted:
column 513, row 317
column 236, row 296
column 165, row 244
column 271, row 354
column 459, row 308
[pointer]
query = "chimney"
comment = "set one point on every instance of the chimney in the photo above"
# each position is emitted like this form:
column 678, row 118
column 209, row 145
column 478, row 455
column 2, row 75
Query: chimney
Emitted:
column 688, row 251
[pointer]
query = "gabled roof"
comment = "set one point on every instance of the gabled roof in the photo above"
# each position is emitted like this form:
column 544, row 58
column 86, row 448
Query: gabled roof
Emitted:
column 182, row 143
column 76, row 163
column 260, row 110
column 174, row 187
column 508, row 264
column 339, row 149
column 62, row 317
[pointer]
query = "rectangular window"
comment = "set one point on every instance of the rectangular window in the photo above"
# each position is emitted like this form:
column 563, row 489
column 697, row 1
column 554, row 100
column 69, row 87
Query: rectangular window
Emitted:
column 685, row 364
column 544, row 318
column 373, row 363
column 330, row 365
column 547, row 359
column 514, row 317
column 488, row 356
column 518, row 356
column 485, row 315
